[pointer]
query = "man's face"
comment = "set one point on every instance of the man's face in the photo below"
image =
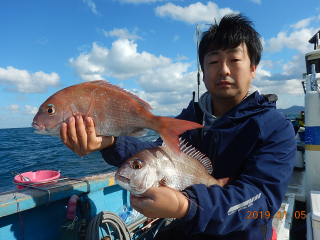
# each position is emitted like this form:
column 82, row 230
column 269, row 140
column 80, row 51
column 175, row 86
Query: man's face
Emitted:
column 227, row 74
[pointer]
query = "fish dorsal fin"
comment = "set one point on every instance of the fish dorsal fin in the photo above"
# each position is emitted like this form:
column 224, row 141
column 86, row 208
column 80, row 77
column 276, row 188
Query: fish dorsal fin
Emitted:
column 192, row 152
column 109, row 85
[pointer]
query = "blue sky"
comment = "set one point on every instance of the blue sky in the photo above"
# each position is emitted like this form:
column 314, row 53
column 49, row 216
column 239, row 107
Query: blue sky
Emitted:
column 144, row 46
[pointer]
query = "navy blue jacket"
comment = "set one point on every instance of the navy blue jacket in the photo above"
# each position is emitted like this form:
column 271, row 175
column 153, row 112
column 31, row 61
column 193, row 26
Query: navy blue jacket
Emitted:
column 252, row 142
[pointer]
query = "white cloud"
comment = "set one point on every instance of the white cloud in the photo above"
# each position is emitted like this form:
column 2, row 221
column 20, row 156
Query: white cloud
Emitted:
column 291, row 87
column 302, row 23
column 170, row 100
column 22, row 81
column 256, row 1
column 91, row 5
column 14, row 108
column 295, row 40
column 21, row 97
column 167, row 79
column 193, row 13
column 287, row 82
column 181, row 57
column 292, row 69
column 296, row 66
column 122, row 33
column 176, row 37
column 284, row 77
column 140, row 1
column 288, row 79
column 28, row 110
column 84, row 48
column 121, row 61
column 168, row 89
column 268, row 64
column 165, row 103
column 4, row 118
column 16, row 121
column 42, row 40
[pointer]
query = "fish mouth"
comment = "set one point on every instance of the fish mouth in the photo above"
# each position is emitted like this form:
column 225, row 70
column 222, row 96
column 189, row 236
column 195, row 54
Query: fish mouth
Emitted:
column 38, row 127
column 120, row 178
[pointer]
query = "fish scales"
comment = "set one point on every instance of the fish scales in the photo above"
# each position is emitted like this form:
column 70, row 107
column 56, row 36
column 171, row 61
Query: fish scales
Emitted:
column 116, row 119
column 115, row 112
column 188, row 172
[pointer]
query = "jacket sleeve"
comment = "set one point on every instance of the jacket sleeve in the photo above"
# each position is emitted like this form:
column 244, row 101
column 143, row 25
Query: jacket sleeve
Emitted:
column 259, row 188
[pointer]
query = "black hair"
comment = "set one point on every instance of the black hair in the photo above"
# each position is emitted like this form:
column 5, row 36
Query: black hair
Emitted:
column 232, row 30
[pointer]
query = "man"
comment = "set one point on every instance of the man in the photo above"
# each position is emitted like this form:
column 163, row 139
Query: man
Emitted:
column 301, row 119
column 245, row 137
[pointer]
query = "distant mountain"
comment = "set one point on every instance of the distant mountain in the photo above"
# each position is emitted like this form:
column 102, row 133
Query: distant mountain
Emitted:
column 291, row 110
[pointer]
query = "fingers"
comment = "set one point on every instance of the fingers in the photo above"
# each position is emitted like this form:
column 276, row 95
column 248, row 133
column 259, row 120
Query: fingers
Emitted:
column 161, row 202
column 64, row 136
column 91, row 132
column 72, row 135
column 81, row 135
column 97, row 142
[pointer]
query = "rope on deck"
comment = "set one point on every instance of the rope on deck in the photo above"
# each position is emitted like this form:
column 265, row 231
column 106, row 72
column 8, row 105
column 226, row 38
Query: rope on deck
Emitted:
column 103, row 219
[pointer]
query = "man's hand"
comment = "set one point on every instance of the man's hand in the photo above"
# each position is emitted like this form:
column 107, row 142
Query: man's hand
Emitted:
column 161, row 202
column 83, row 140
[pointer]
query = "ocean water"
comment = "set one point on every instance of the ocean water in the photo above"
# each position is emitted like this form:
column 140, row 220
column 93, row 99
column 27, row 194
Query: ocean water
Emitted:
column 293, row 116
column 22, row 150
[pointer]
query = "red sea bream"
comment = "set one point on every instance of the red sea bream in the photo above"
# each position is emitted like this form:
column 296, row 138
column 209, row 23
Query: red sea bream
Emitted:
column 158, row 166
column 114, row 111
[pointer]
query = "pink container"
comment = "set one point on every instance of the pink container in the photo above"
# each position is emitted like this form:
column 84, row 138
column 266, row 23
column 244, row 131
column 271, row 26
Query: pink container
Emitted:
column 35, row 177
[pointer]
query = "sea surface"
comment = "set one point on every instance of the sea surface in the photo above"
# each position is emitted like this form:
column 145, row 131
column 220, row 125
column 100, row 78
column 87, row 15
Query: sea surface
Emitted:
column 22, row 150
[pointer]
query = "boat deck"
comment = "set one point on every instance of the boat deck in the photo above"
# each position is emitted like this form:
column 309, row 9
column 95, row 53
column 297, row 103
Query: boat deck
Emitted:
column 283, row 219
column 38, row 213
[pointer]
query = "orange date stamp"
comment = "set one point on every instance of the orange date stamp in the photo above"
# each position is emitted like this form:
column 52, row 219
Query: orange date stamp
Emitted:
column 279, row 214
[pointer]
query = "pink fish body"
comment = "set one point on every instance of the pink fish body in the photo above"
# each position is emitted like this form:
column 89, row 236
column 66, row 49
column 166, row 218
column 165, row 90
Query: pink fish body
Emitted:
column 114, row 111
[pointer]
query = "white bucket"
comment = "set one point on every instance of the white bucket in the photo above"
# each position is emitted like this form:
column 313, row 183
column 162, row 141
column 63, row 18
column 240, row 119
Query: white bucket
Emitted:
column 299, row 163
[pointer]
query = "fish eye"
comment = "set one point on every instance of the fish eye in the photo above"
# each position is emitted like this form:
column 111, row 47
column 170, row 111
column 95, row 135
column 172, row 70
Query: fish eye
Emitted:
column 137, row 164
column 51, row 110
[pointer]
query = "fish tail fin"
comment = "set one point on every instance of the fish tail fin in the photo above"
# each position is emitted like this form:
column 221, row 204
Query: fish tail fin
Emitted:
column 170, row 129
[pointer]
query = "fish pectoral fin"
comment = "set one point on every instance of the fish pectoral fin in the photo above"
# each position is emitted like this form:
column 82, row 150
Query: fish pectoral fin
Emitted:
column 74, row 109
column 163, row 182
column 56, row 135
column 225, row 181
column 139, row 133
